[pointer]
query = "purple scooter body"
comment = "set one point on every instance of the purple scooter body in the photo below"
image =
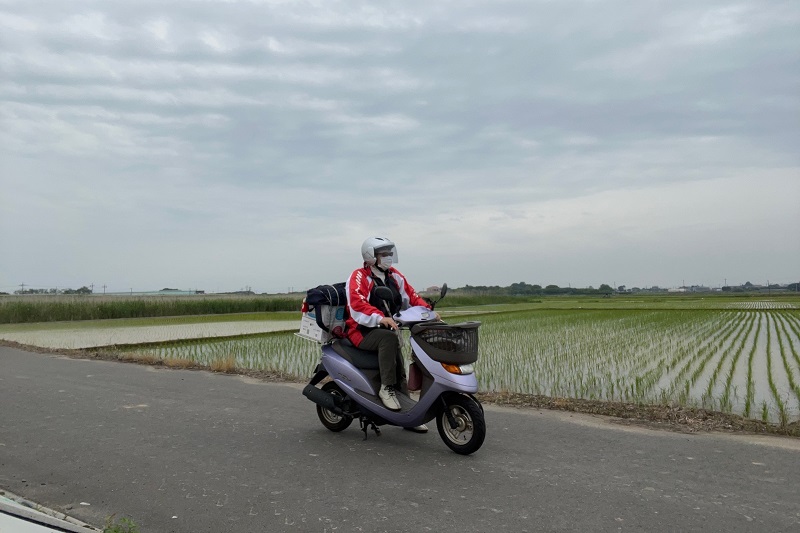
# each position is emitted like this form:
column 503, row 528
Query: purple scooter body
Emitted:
column 444, row 355
column 364, row 392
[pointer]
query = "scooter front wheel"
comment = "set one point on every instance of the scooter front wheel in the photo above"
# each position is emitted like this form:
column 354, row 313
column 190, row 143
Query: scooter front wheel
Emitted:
column 470, row 427
column 329, row 419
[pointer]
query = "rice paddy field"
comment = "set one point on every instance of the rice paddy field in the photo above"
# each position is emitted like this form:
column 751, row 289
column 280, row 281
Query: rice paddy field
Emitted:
column 76, row 336
column 744, row 362
column 733, row 355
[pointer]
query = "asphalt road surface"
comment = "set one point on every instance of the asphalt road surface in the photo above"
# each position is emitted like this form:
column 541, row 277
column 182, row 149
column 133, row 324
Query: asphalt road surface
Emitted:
column 190, row 451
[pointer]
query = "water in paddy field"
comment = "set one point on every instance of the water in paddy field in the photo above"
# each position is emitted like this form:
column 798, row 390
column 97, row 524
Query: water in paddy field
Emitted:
column 762, row 305
column 83, row 337
column 751, row 353
column 672, row 358
column 694, row 358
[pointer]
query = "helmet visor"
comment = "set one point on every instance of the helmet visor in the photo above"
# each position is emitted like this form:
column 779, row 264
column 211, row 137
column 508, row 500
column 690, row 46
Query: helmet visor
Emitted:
column 384, row 251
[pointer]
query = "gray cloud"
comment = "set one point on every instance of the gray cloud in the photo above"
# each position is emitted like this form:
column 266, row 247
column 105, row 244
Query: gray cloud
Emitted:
column 208, row 131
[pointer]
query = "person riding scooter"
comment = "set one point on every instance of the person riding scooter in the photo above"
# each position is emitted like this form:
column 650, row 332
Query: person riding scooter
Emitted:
column 370, row 325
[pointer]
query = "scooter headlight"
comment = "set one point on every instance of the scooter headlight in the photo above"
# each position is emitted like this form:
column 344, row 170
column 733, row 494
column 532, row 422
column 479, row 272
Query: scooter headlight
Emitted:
column 459, row 369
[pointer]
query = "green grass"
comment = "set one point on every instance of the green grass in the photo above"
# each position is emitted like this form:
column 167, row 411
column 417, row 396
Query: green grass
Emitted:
column 122, row 525
column 33, row 309
column 27, row 309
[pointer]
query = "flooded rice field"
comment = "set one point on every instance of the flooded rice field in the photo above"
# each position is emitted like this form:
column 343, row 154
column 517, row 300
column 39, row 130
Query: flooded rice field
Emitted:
column 82, row 337
column 744, row 361
column 741, row 362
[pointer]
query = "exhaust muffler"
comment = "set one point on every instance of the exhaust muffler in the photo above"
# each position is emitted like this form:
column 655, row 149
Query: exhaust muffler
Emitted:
column 320, row 397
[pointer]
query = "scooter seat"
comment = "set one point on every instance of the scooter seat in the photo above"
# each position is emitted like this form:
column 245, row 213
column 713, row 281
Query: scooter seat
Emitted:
column 360, row 358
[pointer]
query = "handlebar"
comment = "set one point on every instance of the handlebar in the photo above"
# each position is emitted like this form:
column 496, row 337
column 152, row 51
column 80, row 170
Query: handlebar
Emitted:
column 414, row 315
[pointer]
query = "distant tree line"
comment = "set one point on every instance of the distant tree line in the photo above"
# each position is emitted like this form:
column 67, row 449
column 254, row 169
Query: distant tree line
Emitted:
column 749, row 287
column 525, row 289
column 82, row 290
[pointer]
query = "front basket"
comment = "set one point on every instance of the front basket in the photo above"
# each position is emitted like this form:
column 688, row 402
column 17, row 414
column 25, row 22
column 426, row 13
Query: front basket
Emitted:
column 449, row 343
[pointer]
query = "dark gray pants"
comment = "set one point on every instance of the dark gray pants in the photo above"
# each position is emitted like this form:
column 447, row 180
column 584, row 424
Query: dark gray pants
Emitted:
column 390, row 359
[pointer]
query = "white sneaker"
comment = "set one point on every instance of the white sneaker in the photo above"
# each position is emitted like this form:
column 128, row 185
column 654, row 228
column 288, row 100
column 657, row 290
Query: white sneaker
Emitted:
column 388, row 397
column 422, row 428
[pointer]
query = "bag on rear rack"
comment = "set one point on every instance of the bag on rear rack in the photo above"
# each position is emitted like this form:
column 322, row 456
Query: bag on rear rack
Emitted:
column 324, row 313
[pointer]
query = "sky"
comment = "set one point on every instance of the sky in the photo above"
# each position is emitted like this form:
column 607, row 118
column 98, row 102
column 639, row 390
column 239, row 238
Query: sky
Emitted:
column 220, row 145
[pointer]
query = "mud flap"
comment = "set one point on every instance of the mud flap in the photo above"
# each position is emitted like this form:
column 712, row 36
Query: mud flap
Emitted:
column 319, row 374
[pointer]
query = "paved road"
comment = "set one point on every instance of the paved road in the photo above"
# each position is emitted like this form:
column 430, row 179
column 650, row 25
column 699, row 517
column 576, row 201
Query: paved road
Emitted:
column 190, row 451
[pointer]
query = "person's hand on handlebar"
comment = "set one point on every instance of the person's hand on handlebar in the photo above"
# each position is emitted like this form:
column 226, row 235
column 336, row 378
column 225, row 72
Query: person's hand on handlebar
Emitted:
column 388, row 322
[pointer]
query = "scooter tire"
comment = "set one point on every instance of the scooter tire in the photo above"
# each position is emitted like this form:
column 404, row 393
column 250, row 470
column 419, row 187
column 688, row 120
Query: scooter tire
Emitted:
column 329, row 419
column 467, row 437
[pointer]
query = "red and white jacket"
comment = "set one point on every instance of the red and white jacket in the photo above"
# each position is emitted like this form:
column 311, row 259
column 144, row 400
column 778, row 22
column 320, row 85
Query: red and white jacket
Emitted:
column 361, row 312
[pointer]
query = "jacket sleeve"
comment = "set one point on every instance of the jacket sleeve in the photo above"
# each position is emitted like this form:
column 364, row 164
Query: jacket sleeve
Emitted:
column 357, row 288
column 407, row 292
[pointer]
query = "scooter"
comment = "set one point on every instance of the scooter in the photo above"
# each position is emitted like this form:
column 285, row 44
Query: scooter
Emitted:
column 441, row 369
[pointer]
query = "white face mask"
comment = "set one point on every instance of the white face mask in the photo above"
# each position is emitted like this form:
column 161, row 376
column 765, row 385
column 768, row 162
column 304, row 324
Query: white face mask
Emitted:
column 385, row 262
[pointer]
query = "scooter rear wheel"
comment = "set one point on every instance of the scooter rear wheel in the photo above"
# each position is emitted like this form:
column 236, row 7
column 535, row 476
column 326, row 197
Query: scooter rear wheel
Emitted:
column 470, row 430
column 330, row 419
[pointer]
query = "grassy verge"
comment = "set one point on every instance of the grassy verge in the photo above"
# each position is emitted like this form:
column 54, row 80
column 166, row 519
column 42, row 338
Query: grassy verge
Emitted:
column 685, row 419
column 31, row 309
column 122, row 525
column 15, row 310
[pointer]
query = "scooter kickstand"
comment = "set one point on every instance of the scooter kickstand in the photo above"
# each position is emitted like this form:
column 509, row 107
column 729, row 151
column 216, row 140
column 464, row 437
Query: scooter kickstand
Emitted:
column 367, row 424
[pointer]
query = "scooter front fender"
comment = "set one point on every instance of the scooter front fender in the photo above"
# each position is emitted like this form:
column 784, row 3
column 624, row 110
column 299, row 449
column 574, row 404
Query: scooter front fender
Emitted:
column 460, row 382
column 340, row 369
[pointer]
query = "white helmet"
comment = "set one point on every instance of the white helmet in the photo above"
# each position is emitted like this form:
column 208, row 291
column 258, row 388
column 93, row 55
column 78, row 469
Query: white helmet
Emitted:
column 375, row 244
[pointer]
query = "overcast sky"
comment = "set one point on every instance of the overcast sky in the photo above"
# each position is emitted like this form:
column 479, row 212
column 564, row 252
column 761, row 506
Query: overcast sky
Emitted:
column 218, row 145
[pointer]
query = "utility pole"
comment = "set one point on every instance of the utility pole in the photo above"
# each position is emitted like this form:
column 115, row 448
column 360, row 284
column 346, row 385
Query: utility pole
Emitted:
column 104, row 289
column 23, row 288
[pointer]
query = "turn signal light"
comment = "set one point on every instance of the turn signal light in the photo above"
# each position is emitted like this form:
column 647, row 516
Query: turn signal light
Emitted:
column 458, row 369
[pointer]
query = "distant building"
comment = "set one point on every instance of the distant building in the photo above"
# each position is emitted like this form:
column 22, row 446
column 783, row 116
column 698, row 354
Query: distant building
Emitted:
column 164, row 292
column 699, row 288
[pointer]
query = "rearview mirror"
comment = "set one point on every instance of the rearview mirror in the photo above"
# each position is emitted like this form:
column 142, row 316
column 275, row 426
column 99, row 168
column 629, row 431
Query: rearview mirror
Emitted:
column 384, row 293
column 444, row 291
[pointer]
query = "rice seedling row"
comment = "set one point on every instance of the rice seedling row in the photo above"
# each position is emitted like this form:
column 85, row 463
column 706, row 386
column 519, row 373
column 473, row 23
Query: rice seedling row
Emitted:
column 792, row 370
column 740, row 361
